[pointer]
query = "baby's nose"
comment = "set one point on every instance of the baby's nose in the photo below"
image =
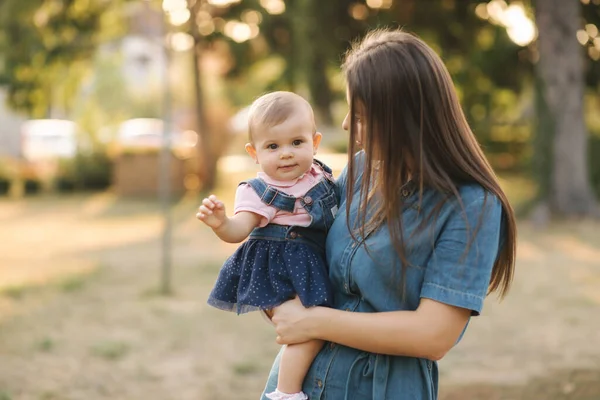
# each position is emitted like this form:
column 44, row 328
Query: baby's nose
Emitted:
column 286, row 154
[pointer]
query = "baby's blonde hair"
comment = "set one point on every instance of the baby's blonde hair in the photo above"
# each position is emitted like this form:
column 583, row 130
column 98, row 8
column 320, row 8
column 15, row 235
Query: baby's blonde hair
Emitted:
column 273, row 108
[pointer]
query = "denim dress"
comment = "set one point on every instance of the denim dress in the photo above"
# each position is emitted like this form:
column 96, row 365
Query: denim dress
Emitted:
column 278, row 262
column 440, row 269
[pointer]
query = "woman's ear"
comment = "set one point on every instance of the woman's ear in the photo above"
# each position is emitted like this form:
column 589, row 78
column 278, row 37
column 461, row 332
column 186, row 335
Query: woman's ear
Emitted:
column 251, row 152
column 316, row 141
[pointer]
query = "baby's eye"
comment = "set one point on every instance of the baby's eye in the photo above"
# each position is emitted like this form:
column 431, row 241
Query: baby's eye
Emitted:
column 297, row 142
column 272, row 146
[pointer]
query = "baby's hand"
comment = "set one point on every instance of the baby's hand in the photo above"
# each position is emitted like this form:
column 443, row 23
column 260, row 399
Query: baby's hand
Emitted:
column 212, row 212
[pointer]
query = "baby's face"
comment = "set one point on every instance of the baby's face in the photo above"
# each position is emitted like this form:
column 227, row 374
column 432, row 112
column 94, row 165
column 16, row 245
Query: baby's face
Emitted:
column 285, row 151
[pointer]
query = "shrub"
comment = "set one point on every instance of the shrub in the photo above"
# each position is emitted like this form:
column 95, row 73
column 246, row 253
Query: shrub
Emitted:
column 30, row 178
column 5, row 181
column 4, row 185
column 86, row 171
column 31, row 186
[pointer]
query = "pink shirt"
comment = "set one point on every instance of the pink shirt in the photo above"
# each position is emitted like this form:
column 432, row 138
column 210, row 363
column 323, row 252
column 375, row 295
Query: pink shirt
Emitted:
column 246, row 199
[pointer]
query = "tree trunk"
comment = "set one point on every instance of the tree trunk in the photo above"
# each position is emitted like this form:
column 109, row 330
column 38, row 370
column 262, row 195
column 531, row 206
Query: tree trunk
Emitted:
column 207, row 167
column 542, row 143
column 560, row 70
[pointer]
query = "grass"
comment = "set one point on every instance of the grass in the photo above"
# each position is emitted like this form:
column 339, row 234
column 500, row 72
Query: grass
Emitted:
column 50, row 396
column 157, row 291
column 72, row 283
column 15, row 292
column 111, row 350
column 246, row 368
column 67, row 283
column 112, row 320
column 45, row 345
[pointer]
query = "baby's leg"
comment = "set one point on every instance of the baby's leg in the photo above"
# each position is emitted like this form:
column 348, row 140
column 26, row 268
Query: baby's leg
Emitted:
column 295, row 362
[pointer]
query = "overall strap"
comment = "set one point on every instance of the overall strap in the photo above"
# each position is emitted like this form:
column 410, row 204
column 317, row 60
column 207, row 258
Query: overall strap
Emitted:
column 323, row 166
column 271, row 196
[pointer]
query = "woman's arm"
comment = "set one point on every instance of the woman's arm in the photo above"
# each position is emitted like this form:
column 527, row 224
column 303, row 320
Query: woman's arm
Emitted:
column 229, row 229
column 454, row 286
column 428, row 332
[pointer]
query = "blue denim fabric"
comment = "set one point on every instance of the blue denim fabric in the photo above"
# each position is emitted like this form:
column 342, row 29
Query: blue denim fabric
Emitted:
column 442, row 269
column 279, row 262
column 320, row 202
column 313, row 237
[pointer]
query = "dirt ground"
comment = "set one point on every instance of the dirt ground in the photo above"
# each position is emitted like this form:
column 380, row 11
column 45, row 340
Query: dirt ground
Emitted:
column 81, row 317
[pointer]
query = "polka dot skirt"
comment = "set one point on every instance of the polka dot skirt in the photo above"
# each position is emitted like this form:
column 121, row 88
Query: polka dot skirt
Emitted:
column 262, row 274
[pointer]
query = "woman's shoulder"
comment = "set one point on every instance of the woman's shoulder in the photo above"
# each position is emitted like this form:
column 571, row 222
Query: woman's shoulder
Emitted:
column 470, row 196
column 473, row 198
column 475, row 193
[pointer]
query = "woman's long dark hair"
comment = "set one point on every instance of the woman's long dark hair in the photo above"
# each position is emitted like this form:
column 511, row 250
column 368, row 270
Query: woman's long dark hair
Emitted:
column 414, row 127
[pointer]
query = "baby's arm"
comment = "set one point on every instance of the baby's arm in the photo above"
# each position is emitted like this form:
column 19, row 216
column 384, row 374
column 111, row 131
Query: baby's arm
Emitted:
column 231, row 230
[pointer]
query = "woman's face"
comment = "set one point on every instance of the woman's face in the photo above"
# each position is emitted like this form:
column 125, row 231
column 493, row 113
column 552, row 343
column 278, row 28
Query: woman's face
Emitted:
column 359, row 121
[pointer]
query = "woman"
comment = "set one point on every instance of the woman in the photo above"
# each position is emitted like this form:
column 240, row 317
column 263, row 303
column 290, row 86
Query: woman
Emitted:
column 423, row 234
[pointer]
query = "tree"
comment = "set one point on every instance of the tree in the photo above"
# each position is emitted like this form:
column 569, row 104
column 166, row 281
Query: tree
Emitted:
column 561, row 81
column 41, row 41
column 207, row 169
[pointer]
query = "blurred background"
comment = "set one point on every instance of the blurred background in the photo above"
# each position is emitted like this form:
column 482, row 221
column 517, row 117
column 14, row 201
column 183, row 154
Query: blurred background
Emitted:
column 117, row 116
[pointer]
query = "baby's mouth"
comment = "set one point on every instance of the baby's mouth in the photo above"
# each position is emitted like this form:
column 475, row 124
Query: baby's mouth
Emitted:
column 288, row 166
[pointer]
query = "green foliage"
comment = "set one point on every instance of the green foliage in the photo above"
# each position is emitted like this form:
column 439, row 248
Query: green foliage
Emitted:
column 101, row 108
column 45, row 345
column 86, row 171
column 31, row 186
column 5, row 181
column 73, row 283
column 111, row 350
column 246, row 368
column 310, row 37
column 46, row 47
column 15, row 292
column 4, row 186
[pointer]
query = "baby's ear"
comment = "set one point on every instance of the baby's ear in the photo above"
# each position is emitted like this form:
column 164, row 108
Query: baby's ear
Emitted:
column 316, row 141
column 251, row 151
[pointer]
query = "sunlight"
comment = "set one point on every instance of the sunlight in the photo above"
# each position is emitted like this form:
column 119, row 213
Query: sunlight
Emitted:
column 591, row 30
column 240, row 31
column 174, row 5
column 582, row 36
column 252, row 17
column 274, row 7
column 359, row 11
column 205, row 23
column 179, row 17
column 519, row 27
column 379, row 3
column 222, row 3
column 181, row 41
column 481, row 11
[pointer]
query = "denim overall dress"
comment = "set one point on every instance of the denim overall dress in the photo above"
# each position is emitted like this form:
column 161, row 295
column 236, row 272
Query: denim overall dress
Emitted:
column 278, row 262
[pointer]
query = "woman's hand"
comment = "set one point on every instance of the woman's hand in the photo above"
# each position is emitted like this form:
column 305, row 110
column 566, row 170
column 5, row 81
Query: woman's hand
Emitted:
column 293, row 322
